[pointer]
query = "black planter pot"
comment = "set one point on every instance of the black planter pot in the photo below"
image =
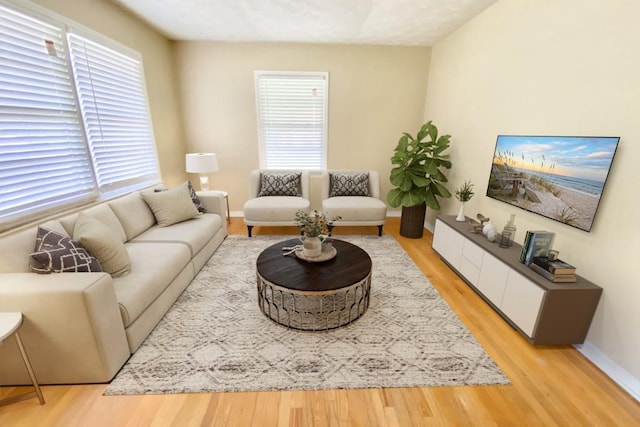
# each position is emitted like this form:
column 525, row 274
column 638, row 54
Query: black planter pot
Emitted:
column 412, row 221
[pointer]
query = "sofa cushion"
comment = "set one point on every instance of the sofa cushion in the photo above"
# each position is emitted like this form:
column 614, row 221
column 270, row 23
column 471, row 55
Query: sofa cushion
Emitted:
column 274, row 208
column 195, row 233
column 195, row 199
column 280, row 184
column 355, row 208
column 56, row 253
column 153, row 268
column 348, row 184
column 98, row 239
column 133, row 213
column 171, row 206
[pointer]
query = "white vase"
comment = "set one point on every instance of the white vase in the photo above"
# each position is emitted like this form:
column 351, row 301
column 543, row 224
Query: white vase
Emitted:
column 311, row 246
column 461, row 216
column 490, row 231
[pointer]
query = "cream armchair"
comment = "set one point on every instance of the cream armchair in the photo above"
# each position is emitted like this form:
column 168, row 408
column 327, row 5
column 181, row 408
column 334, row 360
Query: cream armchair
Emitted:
column 354, row 196
column 274, row 198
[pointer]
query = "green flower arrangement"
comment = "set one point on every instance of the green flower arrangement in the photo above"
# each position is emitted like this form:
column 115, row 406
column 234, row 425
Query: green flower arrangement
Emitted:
column 314, row 224
column 464, row 193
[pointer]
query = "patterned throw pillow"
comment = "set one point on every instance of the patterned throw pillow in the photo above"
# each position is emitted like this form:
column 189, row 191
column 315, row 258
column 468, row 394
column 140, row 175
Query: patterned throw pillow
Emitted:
column 348, row 184
column 280, row 184
column 196, row 199
column 55, row 253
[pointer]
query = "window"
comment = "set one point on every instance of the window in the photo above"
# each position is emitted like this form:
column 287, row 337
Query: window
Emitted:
column 292, row 119
column 113, row 101
column 67, row 141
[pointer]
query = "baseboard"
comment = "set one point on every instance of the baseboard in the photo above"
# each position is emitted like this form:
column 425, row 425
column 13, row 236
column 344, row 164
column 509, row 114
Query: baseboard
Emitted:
column 623, row 378
column 428, row 227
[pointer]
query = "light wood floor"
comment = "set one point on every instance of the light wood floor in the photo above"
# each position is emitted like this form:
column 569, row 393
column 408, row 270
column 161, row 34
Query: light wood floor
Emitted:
column 551, row 386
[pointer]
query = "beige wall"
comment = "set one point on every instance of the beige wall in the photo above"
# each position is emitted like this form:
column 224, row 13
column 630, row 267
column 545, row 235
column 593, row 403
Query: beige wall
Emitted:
column 375, row 93
column 157, row 55
column 555, row 68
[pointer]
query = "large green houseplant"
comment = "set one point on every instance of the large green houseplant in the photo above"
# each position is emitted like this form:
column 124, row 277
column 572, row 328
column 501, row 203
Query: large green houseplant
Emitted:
column 417, row 175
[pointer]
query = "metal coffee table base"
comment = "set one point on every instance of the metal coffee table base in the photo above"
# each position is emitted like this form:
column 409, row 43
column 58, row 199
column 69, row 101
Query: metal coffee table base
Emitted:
column 313, row 311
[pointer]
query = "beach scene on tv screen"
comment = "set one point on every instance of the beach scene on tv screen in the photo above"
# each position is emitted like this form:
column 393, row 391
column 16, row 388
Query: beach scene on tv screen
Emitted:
column 559, row 177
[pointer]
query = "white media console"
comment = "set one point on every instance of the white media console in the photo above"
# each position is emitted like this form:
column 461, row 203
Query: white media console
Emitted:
column 546, row 313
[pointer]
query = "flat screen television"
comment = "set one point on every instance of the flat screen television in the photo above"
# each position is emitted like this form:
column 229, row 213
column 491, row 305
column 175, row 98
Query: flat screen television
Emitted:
column 559, row 177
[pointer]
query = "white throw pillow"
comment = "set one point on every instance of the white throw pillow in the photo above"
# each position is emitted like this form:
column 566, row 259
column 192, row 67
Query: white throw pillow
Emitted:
column 101, row 243
column 171, row 206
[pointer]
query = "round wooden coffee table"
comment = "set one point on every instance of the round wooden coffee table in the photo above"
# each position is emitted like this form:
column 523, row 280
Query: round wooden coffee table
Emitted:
column 313, row 296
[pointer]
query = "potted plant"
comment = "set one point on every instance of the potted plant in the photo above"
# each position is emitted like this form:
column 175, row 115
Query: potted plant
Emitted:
column 418, row 177
column 315, row 227
column 313, row 224
column 464, row 193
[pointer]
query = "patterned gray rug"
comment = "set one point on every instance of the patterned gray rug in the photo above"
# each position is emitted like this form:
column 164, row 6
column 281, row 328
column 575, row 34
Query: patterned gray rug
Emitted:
column 215, row 339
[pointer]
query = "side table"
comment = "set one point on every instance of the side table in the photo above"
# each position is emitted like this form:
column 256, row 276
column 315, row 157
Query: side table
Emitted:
column 9, row 325
column 226, row 198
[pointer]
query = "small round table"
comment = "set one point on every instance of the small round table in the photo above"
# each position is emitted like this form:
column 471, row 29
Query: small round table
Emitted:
column 313, row 296
column 9, row 325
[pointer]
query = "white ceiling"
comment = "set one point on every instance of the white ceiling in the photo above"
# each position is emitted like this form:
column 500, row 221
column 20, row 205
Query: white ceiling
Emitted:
column 387, row 22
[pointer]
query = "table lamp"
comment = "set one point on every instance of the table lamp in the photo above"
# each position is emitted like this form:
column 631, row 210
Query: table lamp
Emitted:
column 202, row 164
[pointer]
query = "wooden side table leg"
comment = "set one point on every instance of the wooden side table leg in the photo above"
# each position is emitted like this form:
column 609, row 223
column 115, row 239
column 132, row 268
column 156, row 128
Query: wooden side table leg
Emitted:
column 228, row 212
column 27, row 363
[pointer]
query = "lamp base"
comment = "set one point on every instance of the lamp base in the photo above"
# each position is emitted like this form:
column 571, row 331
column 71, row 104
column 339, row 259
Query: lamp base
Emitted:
column 204, row 182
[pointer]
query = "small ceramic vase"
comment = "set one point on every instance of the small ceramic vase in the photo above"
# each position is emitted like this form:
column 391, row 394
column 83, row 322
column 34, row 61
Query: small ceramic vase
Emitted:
column 490, row 231
column 311, row 246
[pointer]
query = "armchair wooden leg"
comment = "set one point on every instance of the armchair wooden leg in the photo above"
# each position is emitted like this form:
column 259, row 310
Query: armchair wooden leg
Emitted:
column 249, row 228
column 379, row 230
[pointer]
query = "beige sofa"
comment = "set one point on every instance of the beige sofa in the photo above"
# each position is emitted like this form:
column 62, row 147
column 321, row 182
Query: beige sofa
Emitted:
column 82, row 327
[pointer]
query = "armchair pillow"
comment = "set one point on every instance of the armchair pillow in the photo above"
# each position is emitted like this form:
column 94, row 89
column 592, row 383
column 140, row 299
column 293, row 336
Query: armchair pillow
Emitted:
column 55, row 253
column 280, row 184
column 348, row 184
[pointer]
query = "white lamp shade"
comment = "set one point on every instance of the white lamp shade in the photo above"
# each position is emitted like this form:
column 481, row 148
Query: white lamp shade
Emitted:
column 202, row 162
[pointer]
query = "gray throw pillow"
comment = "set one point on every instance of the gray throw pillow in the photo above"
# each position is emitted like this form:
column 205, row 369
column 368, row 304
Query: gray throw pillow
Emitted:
column 195, row 199
column 55, row 253
column 348, row 184
column 280, row 184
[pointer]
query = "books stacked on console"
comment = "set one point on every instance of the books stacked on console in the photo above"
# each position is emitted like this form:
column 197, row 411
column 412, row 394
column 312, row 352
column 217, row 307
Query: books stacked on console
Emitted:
column 536, row 244
column 556, row 270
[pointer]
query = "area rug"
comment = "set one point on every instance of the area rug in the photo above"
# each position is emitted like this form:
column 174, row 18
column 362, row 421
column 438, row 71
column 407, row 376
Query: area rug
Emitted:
column 215, row 339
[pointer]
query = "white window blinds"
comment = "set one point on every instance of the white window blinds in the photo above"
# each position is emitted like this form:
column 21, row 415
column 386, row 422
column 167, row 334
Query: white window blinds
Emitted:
column 74, row 119
column 43, row 156
column 292, row 119
column 112, row 97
